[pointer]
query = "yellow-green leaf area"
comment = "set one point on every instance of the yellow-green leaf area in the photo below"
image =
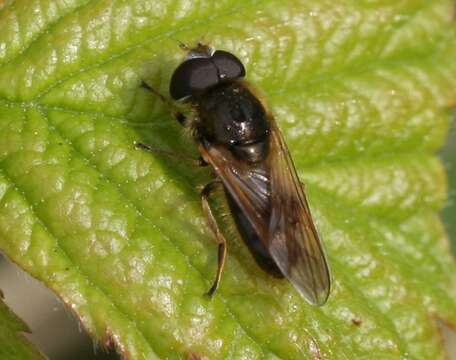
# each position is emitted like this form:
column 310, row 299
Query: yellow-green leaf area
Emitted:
column 363, row 92
column 13, row 344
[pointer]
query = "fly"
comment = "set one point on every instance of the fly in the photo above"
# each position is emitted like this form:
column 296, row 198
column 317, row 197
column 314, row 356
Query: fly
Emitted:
column 238, row 136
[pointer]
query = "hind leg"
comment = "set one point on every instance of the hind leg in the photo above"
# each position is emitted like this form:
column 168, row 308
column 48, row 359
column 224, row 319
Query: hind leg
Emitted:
column 212, row 223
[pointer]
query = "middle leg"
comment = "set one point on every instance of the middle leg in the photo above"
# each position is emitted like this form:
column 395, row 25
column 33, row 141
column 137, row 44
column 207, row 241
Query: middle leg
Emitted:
column 212, row 222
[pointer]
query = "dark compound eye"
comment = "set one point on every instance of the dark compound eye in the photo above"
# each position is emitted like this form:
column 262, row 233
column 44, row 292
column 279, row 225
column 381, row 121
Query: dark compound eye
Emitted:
column 192, row 76
column 228, row 65
column 195, row 75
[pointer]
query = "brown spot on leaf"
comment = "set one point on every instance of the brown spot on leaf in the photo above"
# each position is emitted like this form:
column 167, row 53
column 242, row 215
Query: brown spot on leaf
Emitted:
column 195, row 356
column 357, row 322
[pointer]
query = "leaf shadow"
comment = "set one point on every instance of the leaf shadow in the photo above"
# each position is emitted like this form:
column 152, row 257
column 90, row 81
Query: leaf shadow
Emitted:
column 157, row 127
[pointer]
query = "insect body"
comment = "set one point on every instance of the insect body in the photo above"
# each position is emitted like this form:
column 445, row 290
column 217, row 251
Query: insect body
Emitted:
column 239, row 138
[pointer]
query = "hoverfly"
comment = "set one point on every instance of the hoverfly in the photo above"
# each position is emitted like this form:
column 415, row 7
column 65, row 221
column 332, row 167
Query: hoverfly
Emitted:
column 239, row 138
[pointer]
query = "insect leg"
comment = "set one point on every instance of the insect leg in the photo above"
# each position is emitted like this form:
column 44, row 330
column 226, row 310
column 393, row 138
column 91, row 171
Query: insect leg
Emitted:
column 181, row 119
column 183, row 46
column 211, row 221
column 198, row 162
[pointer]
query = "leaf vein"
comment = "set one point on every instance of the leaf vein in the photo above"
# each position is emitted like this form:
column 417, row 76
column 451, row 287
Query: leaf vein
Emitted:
column 140, row 212
column 42, row 222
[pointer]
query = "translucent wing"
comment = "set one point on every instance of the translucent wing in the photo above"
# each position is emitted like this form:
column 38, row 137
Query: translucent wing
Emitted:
column 248, row 185
column 271, row 197
column 293, row 239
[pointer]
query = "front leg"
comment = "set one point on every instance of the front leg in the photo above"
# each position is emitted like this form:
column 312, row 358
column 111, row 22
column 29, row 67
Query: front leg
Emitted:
column 212, row 222
column 181, row 118
column 198, row 162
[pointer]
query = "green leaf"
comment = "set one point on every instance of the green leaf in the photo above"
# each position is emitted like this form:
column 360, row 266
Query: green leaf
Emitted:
column 362, row 91
column 13, row 344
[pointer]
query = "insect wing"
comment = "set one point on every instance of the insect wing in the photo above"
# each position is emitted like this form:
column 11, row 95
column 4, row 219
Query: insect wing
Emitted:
column 271, row 197
column 293, row 239
column 248, row 186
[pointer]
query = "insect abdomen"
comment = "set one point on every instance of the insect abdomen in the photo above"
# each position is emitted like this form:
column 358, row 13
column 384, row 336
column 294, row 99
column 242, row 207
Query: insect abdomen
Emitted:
column 252, row 240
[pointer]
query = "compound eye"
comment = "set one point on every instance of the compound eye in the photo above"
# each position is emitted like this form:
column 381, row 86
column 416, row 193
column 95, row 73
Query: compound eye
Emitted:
column 229, row 66
column 191, row 77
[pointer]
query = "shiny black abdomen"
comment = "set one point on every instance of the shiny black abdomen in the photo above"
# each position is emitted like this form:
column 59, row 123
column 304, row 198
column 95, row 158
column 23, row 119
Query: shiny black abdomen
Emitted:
column 252, row 240
column 231, row 115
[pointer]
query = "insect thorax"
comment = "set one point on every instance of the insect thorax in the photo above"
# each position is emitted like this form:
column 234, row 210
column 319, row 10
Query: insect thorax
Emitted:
column 231, row 115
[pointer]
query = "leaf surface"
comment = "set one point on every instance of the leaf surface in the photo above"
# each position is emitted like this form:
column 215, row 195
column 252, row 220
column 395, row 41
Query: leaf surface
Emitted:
column 363, row 93
column 13, row 344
